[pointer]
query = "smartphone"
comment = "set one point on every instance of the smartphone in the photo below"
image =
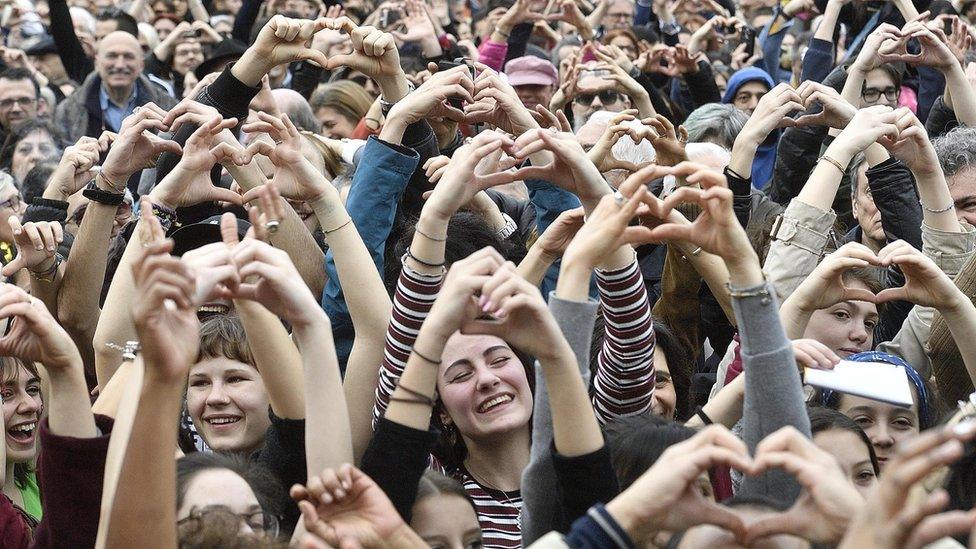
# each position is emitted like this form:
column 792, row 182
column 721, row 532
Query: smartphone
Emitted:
column 598, row 73
column 749, row 38
column 947, row 26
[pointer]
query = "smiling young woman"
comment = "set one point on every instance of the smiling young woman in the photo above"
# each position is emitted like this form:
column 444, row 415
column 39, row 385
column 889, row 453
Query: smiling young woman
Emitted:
column 20, row 387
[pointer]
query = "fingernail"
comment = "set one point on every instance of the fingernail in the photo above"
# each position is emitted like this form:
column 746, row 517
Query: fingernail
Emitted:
column 964, row 428
column 487, row 307
column 482, row 300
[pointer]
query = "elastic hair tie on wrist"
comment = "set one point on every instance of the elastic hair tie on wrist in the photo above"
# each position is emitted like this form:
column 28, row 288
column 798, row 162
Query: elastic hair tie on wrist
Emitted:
column 420, row 397
column 425, row 359
column 428, row 237
column 422, row 262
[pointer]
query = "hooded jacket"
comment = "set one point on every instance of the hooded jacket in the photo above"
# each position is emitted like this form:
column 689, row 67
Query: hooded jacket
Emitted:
column 762, row 165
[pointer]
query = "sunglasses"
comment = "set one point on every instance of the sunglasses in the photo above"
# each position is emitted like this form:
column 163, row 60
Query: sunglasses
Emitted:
column 608, row 97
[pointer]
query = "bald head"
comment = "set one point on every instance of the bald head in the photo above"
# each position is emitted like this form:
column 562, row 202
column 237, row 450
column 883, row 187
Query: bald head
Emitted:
column 297, row 108
column 119, row 61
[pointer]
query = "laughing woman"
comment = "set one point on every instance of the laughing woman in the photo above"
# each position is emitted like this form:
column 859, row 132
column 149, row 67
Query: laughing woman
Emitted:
column 20, row 387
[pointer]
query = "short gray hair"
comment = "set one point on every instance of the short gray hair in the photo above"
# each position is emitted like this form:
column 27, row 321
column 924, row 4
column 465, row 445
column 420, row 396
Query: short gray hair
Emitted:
column 715, row 122
column 956, row 150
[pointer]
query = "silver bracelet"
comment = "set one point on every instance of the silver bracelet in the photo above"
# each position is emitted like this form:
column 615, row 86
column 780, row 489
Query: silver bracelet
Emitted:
column 129, row 351
column 943, row 210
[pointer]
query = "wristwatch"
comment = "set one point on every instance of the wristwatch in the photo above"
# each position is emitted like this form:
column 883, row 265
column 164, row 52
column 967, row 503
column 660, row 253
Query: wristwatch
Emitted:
column 509, row 228
column 385, row 105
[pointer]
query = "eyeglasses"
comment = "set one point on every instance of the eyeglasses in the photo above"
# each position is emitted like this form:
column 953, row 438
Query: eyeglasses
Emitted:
column 608, row 97
column 258, row 521
column 871, row 95
column 13, row 202
column 20, row 101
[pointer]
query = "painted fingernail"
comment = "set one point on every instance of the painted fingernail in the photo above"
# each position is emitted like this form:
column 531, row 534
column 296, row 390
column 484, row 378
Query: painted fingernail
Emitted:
column 487, row 307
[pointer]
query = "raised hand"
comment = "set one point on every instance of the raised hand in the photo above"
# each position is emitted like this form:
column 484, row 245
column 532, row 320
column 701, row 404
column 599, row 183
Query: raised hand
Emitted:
column 825, row 285
column 374, row 52
column 606, row 229
column 345, row 508
column 165, row 316
column 461, row 180
column 892, row 518
column 36, row 244
column 294, row 177
column 431, row 100
column 810, row 353
column 836, row 112
column 570, row 168
column 668, row 141
column 569, row 12
column 558, row 235
column 913, row 146
column 417, row 26
column 135, row 147
column 925, row 283
column 496, row 103
column 189, row 181
column 546, row 119
column 521, row 315
column 877, row 124
column 869, row 58
column 283, row 40
column 828, row 501
column 33, row 334
column 74, row 169
column 456, row 304
column 716, row 230
column 772, row 112
column 602, row 153
column 667, row 496
column 271, row 279
column 935, row 51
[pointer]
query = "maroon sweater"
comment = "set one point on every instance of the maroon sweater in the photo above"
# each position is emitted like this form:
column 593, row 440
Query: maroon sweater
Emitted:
column 70, row 473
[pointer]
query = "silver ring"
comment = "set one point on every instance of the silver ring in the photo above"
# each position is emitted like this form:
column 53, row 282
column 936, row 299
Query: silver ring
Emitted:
column 272, row 226
column 137, row 109
column 619, row 198
column 279, row 142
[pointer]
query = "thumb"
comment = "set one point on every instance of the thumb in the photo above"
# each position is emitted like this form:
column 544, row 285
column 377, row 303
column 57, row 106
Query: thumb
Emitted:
column 336, row 61
column 224, row 195
column 15, row 225
column 165, row 145
column 315, row 56
column 780, row 523
column 11, row 268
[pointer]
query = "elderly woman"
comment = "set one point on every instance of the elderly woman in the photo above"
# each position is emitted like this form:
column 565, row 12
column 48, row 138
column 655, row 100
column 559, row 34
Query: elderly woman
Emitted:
column 28, row 144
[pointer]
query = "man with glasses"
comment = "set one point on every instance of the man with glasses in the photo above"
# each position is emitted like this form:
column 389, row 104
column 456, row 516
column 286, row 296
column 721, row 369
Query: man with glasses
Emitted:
column 596, row 93
column 882, row 86
column 620, row 15
column 18, row 98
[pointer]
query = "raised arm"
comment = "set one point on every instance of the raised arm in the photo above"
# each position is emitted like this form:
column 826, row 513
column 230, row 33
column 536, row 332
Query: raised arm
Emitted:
column 278, row 287
column 766, row 351
column 148, row 465
column 187, row 184
column 297, row 179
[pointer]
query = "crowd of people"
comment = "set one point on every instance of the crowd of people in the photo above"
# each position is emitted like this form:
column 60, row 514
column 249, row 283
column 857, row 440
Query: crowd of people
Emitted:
column 462, row 274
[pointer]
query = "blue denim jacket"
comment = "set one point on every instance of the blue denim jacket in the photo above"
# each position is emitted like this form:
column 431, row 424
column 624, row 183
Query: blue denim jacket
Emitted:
column 380, row 179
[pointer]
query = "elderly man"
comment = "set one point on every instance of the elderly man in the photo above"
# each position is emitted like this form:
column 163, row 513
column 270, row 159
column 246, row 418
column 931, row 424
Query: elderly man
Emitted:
column 112, row 92
column 620, row 15
column 534, row 80
column 18, row 98
column 956, row 151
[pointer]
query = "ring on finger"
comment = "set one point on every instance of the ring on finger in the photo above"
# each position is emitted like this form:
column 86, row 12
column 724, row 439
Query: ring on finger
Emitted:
column 619, row 198
column 272, row 226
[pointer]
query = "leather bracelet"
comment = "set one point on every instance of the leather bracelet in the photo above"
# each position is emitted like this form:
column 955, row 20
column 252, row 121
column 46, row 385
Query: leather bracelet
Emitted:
column 96, row 194
column 703, row 416
column 47, row 275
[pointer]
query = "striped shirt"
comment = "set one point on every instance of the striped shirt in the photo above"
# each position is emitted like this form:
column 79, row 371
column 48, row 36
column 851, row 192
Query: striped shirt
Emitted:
column 623, row 384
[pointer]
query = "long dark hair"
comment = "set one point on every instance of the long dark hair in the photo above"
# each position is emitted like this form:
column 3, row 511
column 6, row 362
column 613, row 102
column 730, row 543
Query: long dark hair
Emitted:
column 636, row 443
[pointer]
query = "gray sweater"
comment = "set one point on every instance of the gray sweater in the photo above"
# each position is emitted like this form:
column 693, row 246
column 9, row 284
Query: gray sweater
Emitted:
column 539, row 482
column 773, row 392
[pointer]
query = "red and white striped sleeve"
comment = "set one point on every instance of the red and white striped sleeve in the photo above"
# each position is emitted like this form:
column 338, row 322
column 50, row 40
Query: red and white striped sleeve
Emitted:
column 624, row 382
column 415, row 295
